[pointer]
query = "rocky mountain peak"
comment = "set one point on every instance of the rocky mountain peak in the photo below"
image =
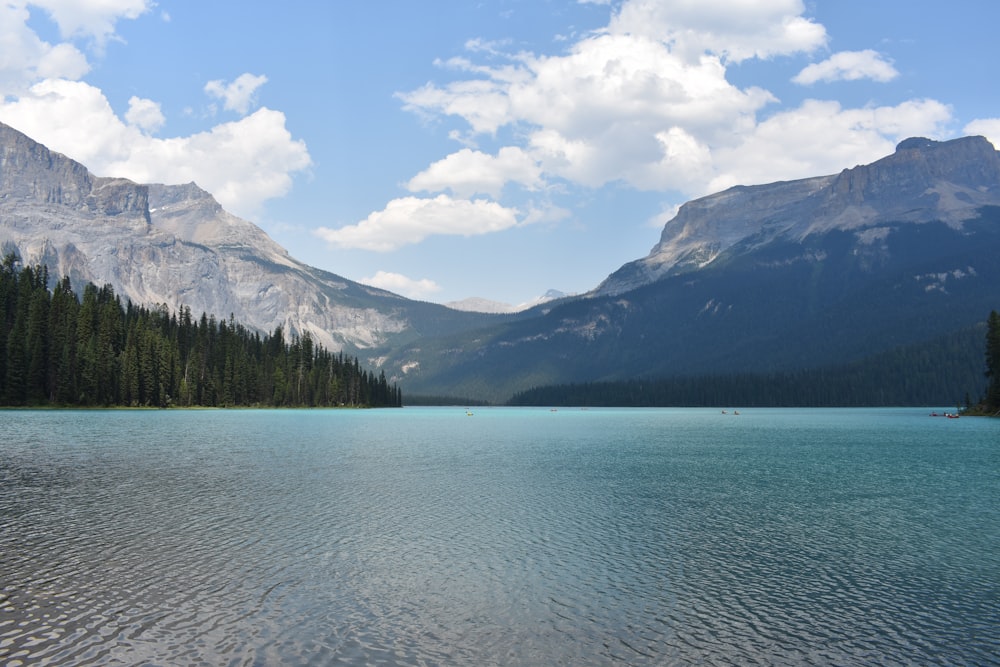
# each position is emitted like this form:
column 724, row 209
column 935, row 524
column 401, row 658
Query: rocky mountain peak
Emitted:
column 920, row 165
column 31, row 172
column 189, row 194
column 922, row 181
column 193, row 215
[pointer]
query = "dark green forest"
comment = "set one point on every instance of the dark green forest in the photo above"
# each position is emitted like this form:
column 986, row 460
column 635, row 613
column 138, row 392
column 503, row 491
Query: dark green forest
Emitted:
column 57, row 349
column 944, row 372
column 991, row 401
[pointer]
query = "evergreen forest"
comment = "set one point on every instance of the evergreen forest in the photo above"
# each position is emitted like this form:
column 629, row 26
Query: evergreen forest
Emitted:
column 944, row 372
column 57, row 349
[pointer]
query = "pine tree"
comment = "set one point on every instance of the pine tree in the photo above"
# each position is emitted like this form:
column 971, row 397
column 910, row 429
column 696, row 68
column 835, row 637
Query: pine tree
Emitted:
column 37, row 345
column 993, row 361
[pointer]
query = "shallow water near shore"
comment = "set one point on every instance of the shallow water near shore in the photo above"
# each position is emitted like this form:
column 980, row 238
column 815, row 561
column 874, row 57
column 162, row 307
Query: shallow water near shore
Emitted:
column 425, row 536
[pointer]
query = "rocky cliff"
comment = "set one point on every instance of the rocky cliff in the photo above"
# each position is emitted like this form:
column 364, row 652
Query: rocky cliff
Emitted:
column 175, row 245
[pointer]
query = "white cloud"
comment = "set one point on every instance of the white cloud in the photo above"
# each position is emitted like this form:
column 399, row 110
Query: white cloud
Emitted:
column 24, row 58
column 615, row 108
column 410, row 220
column 821, row 137
column 238, row 95
column 73, row 118
column 849, row 66
column 400, row 284
column 483, row 104
column 544, row 213
column 987, row 127
column 734, row 30
column 468, row 172
column 94, row 19
column 242, row 163
column 646, row 103
column 62, row 61
column 144, row 114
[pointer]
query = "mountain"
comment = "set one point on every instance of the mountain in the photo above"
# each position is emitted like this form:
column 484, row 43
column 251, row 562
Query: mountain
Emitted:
column 175, row 245
column 479, row 305
column 788, row 276
column 837, row 270
column 923, row 181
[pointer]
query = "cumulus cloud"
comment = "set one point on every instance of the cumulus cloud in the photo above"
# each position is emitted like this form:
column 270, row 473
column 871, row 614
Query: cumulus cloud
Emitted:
column 409, row 220
column 615, row 108
column 25, row 58
column 238, row 95
column 400, row 284
column 821, row 137
column 643, row 103
column 242, row 163
column 849, row 66
column 646, row 103
column 468, row 172
column 734, row 30
column 144, row 114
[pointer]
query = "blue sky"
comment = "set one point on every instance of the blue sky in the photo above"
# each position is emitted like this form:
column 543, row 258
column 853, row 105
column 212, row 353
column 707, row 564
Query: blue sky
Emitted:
column 499, row 148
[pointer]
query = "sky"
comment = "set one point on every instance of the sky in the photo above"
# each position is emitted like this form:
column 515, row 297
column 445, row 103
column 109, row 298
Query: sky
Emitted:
column 497, row 149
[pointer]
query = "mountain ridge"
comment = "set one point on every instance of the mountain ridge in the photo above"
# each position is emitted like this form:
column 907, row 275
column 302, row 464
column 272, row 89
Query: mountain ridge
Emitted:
column 705, row 228
column 175, row 245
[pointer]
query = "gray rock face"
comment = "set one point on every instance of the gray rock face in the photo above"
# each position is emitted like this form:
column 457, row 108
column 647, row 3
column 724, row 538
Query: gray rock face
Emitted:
column 922, row 181
column 175, row 245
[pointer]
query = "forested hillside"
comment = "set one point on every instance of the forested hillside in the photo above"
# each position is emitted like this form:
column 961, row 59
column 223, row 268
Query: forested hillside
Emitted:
column 945, row 372
column 58, row 349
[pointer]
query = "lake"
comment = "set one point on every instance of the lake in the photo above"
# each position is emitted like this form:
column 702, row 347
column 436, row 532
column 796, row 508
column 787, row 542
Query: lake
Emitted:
column 513, row 536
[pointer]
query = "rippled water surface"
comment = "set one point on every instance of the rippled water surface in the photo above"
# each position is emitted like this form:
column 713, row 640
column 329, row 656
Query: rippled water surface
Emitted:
column 424, row 536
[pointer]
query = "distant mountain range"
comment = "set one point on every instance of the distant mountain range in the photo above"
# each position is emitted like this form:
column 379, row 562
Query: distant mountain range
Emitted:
column 794, row 275
column 479, row 305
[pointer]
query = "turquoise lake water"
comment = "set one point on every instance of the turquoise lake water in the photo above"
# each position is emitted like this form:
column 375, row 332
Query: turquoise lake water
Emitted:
column 424, row 536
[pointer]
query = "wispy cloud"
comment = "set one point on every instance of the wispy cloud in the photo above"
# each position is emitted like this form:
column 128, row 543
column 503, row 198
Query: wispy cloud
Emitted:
column 238, row 95
column 400, row 284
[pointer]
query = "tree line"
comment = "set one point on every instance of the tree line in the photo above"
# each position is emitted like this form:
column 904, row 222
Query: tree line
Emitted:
column 944, row 372
column 57, row 349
